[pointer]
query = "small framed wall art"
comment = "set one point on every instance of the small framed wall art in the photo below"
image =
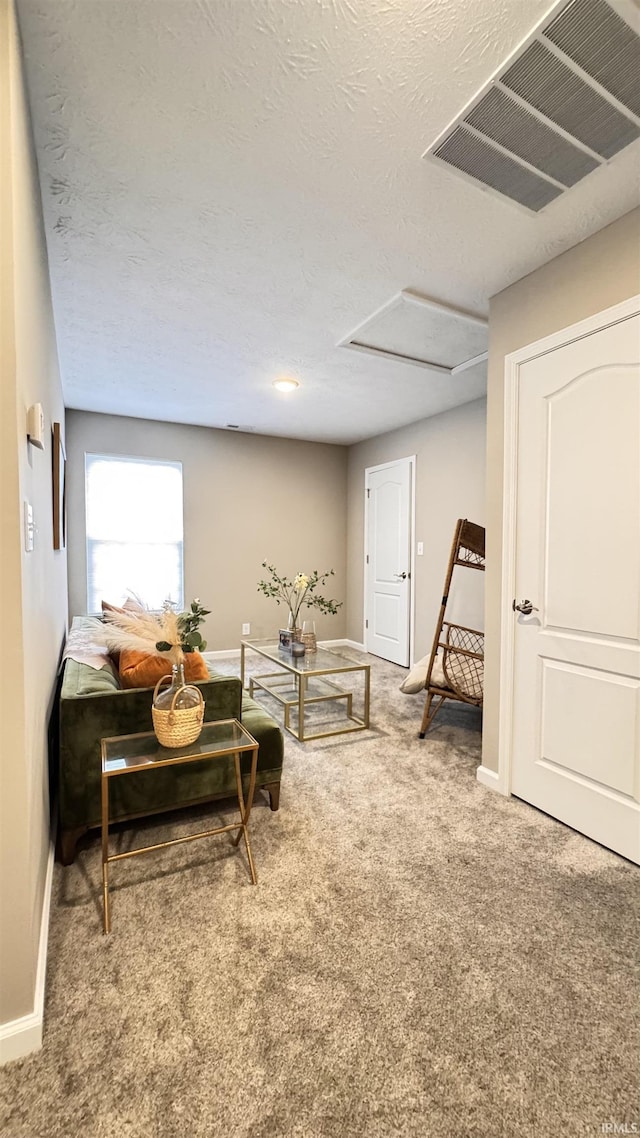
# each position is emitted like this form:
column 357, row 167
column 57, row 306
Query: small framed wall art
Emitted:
column 59, row 462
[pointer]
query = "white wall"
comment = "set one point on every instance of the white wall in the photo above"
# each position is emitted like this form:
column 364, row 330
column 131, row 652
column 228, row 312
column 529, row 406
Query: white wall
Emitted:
column 248, row 498
column 600, row 272
column 450, row 473
column 33, row 584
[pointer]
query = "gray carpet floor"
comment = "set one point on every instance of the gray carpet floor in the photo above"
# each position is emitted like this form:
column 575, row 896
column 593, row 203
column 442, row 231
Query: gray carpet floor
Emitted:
column 420, row 958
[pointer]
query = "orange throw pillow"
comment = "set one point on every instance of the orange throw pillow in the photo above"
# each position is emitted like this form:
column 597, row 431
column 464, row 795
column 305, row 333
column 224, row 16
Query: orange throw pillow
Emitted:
column 144, row 669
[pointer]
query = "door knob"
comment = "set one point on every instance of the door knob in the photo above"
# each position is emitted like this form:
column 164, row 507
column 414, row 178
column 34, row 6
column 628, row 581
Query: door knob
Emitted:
column 524, row 607
column 402, row 576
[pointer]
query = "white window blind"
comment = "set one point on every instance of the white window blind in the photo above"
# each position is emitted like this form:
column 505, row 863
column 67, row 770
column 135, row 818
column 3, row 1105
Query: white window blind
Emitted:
column 134, row 530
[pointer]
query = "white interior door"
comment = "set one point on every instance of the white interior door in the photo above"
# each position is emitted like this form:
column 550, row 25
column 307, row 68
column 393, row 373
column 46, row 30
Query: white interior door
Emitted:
column 388, row 560
column 576, row 699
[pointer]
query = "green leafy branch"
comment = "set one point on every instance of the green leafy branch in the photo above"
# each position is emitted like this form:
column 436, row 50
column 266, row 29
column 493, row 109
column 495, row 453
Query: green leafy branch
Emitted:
column 188, row 624
column 299, row 591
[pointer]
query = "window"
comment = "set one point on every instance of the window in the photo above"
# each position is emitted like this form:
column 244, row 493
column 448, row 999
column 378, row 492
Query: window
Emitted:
column 134, row 530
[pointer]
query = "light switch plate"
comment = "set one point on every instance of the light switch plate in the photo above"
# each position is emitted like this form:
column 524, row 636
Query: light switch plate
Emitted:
column 420, row 548
column 28, row 527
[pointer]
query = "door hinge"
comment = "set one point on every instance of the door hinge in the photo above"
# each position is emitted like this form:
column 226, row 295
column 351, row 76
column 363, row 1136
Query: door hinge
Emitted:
column 366, row 623
column 368, row 492
column 367, row 558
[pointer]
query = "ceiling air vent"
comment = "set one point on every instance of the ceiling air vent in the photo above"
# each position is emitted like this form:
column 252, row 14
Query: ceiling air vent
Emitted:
column 518, row 130
column 564, row 103
column 469, row 153
column 552, row 88
column 602, row 44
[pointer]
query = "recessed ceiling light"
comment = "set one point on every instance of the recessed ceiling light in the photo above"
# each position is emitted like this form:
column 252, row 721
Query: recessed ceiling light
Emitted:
column 285, row 384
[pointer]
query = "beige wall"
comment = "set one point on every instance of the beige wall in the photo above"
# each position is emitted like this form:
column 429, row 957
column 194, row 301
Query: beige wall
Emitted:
column 33, row 584
column 247, row 498
column 600, row 272
column 450, row 472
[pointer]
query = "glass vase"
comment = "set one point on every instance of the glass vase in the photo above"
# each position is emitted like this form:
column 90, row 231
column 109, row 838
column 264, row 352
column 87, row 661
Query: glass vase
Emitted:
column 178, row 710
column 309, row 636
column 292, row 627
column 186, row 696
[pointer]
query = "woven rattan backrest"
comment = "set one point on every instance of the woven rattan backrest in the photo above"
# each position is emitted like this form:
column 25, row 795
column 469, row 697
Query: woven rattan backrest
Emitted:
column 471, row 543
column 463, row 662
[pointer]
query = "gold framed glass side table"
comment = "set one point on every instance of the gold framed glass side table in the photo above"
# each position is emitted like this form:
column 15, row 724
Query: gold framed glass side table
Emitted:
column 304, row 680
column 128, row 754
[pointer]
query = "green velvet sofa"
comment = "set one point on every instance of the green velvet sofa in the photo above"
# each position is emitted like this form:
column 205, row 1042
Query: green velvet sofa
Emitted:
column 93, row 706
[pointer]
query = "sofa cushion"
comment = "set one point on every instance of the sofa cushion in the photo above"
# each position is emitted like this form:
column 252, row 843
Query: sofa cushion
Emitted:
column 106, row 607
column 144, row 669
column 130, row 606
column 266, row 732
column 80, row 679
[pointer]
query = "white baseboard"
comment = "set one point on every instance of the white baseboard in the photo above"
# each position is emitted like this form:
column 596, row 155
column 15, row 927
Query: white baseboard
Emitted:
column 228, row 653
column 19, row 1037
column 489, row 778
column 342, row 644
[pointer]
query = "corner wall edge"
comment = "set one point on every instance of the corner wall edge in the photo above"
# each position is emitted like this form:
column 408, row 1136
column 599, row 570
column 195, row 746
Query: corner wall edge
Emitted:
column 22, row 1036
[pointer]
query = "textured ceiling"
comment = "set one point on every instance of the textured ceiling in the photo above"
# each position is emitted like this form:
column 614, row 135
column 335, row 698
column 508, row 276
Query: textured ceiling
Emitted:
column 231, row 186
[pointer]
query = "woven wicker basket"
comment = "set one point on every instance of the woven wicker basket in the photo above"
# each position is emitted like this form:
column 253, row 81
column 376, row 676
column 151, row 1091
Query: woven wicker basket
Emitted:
column 177, row 726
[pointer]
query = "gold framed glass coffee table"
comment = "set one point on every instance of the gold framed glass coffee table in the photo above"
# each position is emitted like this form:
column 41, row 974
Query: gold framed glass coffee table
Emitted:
column 304, row 680
column 128, row 754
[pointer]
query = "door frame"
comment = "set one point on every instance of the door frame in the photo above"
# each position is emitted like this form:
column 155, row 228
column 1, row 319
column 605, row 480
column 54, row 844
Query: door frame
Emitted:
column 512, row 384
column 411, row 459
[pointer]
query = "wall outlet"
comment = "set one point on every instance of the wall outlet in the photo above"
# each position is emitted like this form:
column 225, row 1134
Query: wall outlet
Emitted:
column 420, row 548
column 246, row 629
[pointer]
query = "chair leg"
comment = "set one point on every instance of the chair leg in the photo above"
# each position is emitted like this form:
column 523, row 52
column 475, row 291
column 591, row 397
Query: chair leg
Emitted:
column 429, row 715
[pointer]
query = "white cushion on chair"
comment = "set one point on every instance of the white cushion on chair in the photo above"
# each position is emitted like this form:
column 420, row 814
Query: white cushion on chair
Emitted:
column 417, row 678
column 437, row 674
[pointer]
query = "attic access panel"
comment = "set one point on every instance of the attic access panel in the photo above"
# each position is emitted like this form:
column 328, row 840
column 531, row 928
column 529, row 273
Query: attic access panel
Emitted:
column 413, row 329
column 566, row 101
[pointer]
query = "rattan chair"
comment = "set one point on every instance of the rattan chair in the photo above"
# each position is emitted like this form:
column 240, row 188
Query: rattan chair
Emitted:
column 459, row 674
